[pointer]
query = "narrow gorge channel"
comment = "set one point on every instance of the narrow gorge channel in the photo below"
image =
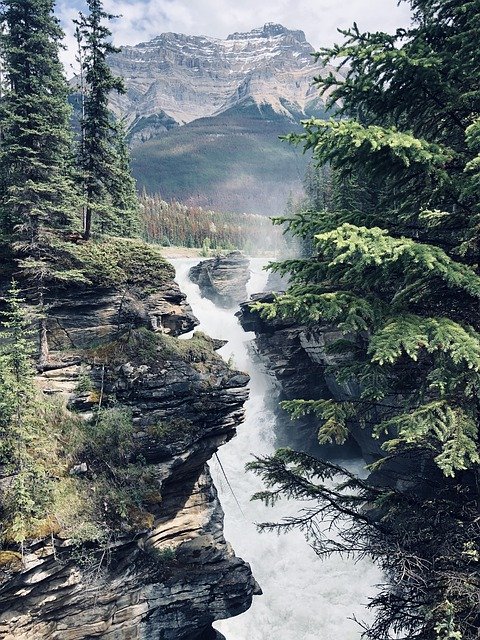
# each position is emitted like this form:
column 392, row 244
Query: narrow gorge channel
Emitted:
column 303, row 598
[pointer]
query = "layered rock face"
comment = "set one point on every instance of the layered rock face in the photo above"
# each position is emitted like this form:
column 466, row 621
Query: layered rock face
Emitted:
column 175, row 574
column 190, row 77
column 297, row 356
column 223, row 279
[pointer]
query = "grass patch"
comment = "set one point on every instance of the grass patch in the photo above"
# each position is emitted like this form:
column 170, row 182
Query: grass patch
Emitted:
column 171, row 431
column 10, row 560
column 110, row 262
column 144, row 347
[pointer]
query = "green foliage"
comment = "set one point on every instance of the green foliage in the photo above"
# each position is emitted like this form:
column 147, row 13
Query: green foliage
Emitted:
column 197, row 350
column 37, row 193
column 114, row 262
column 28, row 496
column 455, row 430
column 164, row 556
column 123, row 186
column 106, row 182
column 206, row 244
column 173, row 223
column 411, row 334
column 171, row 431
column 334, row 416
column 392, row 262
column 110, row 436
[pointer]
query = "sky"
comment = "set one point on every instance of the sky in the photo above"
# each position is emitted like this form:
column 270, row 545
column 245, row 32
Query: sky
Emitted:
column 144, row 19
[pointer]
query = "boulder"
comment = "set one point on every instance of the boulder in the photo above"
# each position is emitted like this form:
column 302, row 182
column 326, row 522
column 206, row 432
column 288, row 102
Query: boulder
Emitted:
column 223, row 279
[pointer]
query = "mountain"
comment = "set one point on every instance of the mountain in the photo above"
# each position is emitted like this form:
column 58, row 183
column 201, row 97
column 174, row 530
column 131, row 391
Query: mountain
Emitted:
column 204, row 115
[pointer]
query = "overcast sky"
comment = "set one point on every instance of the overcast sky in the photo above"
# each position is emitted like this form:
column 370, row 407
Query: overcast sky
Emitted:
column 144, row 19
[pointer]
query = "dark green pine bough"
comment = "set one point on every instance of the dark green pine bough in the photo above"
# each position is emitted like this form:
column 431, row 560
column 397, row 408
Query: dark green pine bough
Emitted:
column 37, row 192
column 396, row 267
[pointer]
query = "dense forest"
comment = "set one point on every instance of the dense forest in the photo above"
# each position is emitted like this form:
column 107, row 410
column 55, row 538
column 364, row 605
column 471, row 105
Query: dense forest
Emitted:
column 174, row 223
column 392, row 259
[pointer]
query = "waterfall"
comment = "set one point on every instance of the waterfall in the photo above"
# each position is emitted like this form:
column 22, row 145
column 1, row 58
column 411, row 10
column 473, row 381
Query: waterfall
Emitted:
column 304, row 598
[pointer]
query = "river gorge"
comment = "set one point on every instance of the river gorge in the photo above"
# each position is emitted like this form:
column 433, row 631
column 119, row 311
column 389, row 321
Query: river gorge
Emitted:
column 303, row 597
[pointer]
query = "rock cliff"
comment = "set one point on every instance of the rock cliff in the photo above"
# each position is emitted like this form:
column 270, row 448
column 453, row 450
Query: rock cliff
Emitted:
column 190, row 77
column 297, row 358
column 223, row 279
column 165, row 571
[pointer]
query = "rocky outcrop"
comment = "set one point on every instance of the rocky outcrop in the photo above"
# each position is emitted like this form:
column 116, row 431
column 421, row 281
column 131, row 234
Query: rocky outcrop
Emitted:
column 297, row 358
column 223, row 279
column 172, row 574
column 144, row 128
column 92, row 316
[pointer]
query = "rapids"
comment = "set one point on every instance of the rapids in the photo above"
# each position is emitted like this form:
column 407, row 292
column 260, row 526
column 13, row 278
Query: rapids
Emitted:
column 304, row 598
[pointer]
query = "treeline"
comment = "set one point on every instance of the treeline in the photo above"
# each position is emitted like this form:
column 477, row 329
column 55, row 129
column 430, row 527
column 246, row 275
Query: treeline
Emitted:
column 173, row 223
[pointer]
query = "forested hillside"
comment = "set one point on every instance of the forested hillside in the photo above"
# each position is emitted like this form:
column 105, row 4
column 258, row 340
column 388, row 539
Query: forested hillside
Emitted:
column 393, row 233
column 173, row 223
column 231, row 162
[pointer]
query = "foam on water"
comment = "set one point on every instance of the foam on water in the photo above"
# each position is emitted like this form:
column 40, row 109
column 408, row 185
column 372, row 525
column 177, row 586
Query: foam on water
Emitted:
column 304, row 598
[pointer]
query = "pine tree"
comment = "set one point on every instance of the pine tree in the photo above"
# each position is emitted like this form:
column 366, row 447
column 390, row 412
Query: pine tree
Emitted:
column 28, row 495
column 108, row 187
column 37, row 194
column 123, row 186
column 396, row 269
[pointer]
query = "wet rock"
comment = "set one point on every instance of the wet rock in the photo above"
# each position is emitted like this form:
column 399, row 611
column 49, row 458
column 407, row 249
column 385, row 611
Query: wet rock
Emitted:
column 297, row 358
column 223, row 279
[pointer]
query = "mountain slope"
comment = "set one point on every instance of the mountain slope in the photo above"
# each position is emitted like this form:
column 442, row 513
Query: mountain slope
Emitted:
column 205, row 114
column 231, row 162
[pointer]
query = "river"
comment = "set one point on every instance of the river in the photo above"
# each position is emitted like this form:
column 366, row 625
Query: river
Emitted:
column 304, row 598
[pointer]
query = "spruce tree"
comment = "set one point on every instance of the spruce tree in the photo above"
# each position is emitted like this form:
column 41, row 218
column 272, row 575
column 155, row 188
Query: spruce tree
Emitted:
column 395, row 268
column 28, row 496
column 107, row 184
column 123, row 186
column 37, row 194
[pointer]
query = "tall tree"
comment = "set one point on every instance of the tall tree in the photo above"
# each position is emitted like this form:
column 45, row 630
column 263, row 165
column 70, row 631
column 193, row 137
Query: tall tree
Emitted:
column 37, row 193
column 104, row 164
column 21, row 424
column 396, row 269
column 123, row 186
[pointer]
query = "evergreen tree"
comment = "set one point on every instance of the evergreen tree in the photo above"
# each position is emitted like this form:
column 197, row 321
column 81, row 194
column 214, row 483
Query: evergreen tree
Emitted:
column 107, row 183
column 396, row 269
column 123, row 187
column 37, row 194
column 28, row 495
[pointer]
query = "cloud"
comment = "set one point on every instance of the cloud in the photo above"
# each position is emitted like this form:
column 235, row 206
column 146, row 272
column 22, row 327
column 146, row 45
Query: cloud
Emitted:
column 144, row 19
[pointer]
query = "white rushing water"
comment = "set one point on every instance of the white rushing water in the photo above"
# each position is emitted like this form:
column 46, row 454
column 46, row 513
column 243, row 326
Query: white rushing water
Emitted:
column 304, row 598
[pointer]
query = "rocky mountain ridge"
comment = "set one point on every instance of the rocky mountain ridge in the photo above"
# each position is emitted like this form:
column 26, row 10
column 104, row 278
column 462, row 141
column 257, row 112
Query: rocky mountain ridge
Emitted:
column 176, row 78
